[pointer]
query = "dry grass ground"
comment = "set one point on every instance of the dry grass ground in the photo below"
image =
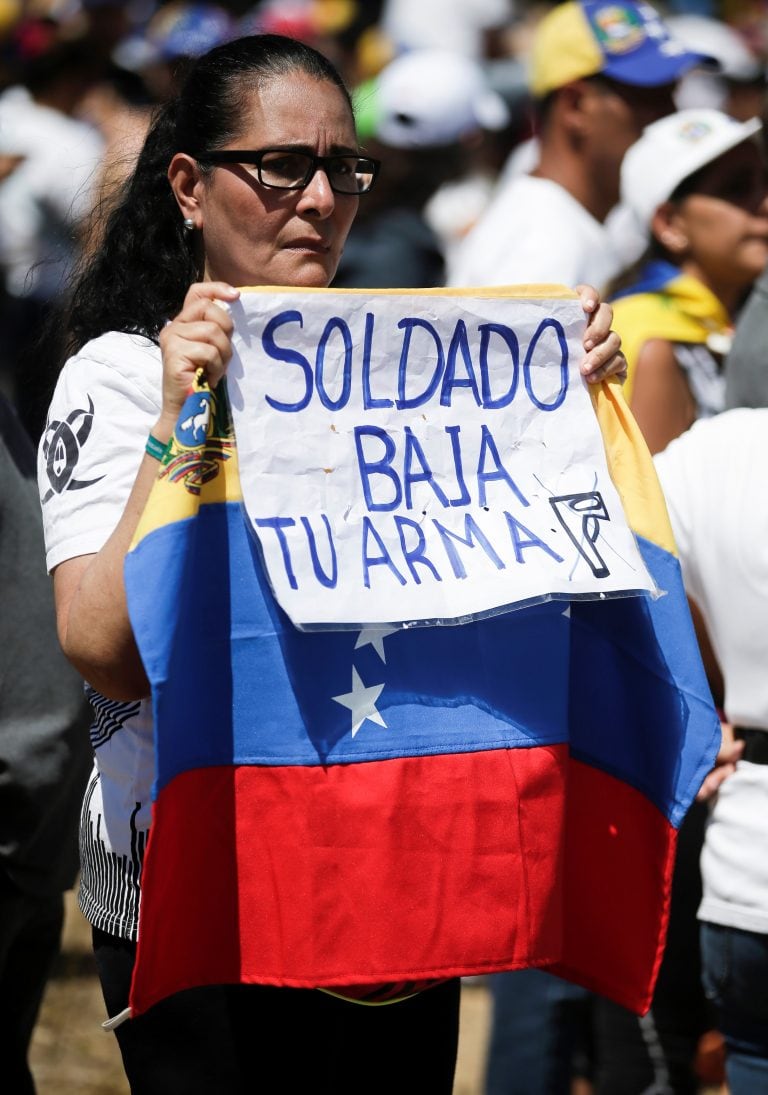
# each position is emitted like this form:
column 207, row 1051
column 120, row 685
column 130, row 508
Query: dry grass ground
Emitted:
column 71, row 1055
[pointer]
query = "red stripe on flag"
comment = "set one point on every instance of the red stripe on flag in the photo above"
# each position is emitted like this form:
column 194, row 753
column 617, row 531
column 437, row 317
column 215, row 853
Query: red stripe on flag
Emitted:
column 620, row 853
column 393, row 870
column 374, row 872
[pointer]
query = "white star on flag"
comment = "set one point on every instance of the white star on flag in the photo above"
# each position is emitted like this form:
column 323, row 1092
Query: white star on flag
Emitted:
column 361, row 701
column 375, row 636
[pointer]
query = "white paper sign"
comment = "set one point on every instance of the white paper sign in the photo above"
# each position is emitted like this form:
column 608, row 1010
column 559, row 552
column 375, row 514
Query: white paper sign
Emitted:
column 423, row 457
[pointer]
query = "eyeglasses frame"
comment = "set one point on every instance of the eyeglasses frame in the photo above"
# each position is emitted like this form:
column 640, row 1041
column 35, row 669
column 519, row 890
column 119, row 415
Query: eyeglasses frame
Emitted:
column 253, row 158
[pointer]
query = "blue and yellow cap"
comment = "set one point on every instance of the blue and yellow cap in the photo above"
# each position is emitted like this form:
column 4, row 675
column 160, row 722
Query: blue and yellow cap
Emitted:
column 625, row 41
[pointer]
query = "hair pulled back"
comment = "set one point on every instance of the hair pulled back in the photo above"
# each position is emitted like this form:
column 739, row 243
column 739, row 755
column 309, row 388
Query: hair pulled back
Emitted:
column 147, row 261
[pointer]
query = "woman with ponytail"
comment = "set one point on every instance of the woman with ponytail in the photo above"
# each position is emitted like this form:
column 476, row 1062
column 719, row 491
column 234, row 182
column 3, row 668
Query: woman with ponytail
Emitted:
column 199, row 217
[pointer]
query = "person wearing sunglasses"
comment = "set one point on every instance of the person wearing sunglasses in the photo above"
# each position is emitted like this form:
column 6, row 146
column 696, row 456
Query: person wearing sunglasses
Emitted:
column 697, row 182
column 252, row 176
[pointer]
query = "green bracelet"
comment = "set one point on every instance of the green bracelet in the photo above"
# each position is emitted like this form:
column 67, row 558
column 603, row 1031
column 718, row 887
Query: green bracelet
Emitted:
column 156, row 448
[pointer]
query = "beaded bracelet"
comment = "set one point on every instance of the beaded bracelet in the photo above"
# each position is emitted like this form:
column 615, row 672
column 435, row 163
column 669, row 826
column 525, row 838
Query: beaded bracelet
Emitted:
column 156, row 448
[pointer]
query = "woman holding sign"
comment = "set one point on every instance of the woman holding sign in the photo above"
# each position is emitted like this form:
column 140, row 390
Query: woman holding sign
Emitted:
column 252, row 176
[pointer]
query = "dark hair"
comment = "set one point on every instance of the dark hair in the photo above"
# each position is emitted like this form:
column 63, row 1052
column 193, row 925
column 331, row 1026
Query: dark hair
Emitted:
column 146, row 261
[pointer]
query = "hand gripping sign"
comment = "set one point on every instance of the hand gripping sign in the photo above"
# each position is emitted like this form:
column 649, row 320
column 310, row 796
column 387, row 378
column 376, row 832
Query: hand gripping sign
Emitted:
column 423, row 457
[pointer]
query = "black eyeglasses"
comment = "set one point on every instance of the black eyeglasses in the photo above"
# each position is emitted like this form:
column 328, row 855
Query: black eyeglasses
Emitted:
column 283, row 169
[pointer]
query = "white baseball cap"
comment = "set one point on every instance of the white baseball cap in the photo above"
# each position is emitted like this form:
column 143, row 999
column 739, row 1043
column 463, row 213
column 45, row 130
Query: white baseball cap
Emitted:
column 672, row 149
column 433, row 97
column 718, row 40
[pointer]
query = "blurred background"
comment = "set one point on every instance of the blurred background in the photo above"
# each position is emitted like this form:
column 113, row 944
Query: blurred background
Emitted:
column 442, row 94
column 441, row 90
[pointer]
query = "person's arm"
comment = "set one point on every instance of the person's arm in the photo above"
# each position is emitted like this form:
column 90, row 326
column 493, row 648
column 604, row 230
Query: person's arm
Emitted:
column 91, row 610
column 730, row 750
column 661, row 399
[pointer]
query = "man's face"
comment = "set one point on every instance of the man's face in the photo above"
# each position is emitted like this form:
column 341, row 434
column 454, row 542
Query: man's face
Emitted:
column 620, row 112
column 614, row 117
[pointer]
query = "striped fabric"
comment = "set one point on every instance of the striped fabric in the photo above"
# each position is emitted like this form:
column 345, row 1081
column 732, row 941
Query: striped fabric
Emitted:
column 110, row 715
column 109, row 881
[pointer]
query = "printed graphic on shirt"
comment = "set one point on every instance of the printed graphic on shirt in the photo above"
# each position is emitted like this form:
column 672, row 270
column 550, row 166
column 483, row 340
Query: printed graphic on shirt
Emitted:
column 62, row 443
column 110, row 715
column 109, row 881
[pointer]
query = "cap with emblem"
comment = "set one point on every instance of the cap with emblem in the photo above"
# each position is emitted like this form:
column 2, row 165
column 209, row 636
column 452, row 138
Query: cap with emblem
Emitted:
column 624, row 41
column 674, row 148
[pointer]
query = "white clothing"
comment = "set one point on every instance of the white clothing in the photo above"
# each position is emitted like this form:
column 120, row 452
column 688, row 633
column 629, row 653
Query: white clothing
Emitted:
column 47, row 195
column 628, row 236
column 107, row 398
column 443, row 24
column 534, row 231
column 714, row 481
column 522, row 160
column 704, row 377
column 455, row 208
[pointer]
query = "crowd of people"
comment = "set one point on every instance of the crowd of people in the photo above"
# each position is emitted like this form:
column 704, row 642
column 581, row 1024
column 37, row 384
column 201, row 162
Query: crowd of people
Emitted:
column 590, row 143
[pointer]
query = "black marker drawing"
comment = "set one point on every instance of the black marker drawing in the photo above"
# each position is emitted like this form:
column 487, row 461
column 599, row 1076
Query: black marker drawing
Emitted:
column 580, row 516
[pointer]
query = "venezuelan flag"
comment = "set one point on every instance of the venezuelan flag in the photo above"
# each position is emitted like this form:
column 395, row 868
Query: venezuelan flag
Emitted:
column 664, row 303
column 394, row 807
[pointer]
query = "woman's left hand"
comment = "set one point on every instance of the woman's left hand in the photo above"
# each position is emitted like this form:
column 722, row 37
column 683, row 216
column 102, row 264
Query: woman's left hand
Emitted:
column 602, row 345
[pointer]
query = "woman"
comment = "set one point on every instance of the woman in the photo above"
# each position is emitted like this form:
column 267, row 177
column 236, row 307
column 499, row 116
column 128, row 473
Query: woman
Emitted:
column 697, row 181
column 191, row 226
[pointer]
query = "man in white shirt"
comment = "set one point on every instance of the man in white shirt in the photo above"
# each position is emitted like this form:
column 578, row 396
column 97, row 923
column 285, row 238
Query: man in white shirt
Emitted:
column 714, row 481
column 599, row 73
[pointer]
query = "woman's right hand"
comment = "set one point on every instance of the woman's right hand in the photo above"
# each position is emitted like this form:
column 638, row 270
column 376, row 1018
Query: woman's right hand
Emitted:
column 199, row 337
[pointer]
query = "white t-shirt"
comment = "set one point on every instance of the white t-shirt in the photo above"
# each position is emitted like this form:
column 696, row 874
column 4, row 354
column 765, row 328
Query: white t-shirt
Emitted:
column 107, row 398
column 443, row 24
column 534, row 231
column 47, row 195
column 714, row 479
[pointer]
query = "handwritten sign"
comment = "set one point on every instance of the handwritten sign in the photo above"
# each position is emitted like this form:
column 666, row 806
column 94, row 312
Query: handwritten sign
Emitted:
column 423, row 457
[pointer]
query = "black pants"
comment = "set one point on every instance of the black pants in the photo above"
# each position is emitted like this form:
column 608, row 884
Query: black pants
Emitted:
column 30, row 932
column 224, row 1040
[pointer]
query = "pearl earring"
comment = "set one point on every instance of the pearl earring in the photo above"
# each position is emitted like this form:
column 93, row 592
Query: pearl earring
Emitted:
column 189, row 224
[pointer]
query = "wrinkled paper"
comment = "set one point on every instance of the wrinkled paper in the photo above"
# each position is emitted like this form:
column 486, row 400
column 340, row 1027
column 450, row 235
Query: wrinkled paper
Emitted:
column 412, row 458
